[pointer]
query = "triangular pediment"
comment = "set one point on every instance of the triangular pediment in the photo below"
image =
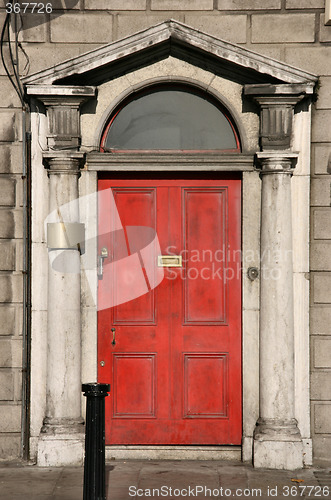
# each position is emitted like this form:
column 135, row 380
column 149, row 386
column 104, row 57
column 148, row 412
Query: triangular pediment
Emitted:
column 160, row 41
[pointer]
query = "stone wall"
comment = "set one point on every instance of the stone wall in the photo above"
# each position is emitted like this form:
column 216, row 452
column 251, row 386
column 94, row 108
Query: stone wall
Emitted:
column 289, row 30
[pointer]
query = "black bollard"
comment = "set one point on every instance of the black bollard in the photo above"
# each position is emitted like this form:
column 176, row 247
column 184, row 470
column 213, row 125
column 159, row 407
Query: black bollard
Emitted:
column 94, row 464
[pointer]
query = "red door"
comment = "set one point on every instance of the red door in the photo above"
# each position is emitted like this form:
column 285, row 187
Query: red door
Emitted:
column 175, row 367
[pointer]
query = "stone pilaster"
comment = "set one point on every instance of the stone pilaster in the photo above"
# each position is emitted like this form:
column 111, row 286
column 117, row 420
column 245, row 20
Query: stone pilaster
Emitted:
column 277, row 440
column 62, row 435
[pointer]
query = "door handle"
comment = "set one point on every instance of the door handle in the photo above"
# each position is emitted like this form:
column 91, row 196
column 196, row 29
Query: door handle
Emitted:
column 113, row 332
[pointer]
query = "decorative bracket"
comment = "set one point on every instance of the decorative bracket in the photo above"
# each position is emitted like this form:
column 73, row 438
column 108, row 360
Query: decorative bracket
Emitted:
column 62, row 104
column 277, row 104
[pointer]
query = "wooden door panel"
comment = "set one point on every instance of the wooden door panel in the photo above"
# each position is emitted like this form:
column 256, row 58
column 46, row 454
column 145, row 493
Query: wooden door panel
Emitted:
column 205, row 385
column 137, row 209
column 134, row 385
column 175, row 369
column 205, row 230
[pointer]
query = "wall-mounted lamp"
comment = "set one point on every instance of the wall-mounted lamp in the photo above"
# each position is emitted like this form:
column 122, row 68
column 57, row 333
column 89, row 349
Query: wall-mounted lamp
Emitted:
column 66, row 235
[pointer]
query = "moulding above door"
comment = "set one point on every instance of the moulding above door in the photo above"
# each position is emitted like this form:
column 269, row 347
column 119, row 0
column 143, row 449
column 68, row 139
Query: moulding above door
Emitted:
column 163, row 162
column 160, row 41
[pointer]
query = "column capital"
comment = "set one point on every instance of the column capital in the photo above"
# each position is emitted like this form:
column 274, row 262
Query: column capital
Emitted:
column 276, row 162
column 63, row 162
column 277, row 104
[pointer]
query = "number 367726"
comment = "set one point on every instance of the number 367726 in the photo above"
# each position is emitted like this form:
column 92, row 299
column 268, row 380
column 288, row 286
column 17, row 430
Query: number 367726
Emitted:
column 29, row 8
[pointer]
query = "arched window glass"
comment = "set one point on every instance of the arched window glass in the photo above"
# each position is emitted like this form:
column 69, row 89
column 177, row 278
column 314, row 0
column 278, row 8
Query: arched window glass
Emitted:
column 168, row 117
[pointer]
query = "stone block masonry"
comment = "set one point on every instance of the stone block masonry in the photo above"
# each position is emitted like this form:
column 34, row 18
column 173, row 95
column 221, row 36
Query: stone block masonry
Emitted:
column 184, row 5
column 128, row 5
column 250, row 5
column 276, row 28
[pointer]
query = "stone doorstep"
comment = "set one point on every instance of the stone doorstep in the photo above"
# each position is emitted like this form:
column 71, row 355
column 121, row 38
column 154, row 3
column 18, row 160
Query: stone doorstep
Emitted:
column 173, row 453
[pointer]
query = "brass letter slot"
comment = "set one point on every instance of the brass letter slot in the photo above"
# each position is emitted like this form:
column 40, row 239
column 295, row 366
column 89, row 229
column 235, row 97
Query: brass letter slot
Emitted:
column 169, row 261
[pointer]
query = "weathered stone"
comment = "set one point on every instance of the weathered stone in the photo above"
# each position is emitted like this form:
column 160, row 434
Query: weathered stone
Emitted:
column 324, row 92
column 5, row 154
column 320, row 320
column 322, row 224
column 248, row 5
column 322, row 418
column 16, row 166
column 305, row 4
column 182, row 5
column 10, row 353
column 277, row 439
column 8, row 95
column 82, row 28
column 10, row 418
column 18, row 382
column 6, row 385
column 5, row 289
column 322, row 450
column 325, row 31
column 278, row 28
column 115, row 5
column 11, row 288
column 320, row 157
column 7, row 256
column 8, row 126
column 311, row 59
column 322, row 353
column 58, row 4
column 321, row 130
column 322, row 288
column 127, row 25
column 231, row 28
column 40, row 55
column 10, row 447
column 320, row 195
column 320, row 256
column 320, row 386
column 33, row 32
column 7, row 320
column 10, row 223
column 165, row 32
column 7, row 191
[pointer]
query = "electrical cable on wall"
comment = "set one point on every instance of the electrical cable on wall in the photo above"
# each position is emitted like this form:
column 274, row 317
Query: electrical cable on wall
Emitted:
column 13, row 71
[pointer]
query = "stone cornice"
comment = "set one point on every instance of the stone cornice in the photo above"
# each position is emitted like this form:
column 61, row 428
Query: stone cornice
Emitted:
column 59, row 93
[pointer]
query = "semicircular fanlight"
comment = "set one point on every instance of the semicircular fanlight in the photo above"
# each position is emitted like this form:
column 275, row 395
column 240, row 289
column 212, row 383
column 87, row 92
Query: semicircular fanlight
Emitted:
column 176, row 117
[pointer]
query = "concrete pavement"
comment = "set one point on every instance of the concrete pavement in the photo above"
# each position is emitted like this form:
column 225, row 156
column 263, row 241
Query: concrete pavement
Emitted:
column 165, row 479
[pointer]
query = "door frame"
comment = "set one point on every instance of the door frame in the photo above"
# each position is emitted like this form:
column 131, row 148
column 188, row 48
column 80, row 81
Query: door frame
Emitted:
column 251, row 192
